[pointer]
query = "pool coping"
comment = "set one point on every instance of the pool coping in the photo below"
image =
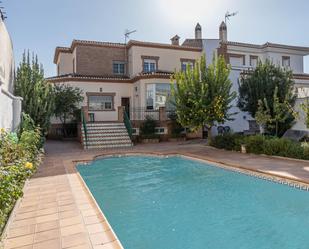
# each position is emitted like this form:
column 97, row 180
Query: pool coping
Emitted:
column 259, row 174
column 100, row 210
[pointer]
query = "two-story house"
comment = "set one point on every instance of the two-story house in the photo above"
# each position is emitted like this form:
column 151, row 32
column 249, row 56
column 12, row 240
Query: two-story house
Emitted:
column 135, row 75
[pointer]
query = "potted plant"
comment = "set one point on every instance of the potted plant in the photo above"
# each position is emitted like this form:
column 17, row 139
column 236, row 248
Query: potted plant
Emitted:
column 148, row 131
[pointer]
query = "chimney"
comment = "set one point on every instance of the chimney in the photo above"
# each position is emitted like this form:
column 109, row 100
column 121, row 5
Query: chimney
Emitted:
column 175, row 40
column 223, row 32
column 198, row 31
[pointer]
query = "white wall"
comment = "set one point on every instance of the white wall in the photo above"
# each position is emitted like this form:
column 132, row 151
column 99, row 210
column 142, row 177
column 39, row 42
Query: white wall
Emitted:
column 10, row 106
column 121, row 90
column 65, row 63
column 169, row 58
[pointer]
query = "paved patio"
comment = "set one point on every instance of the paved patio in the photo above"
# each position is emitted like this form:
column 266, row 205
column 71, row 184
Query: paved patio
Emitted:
column 58, row 212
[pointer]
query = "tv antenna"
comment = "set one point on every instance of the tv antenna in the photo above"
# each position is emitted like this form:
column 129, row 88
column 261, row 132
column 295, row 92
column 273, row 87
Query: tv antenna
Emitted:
column 228, row 15
column 2, row 13
column 127, row 34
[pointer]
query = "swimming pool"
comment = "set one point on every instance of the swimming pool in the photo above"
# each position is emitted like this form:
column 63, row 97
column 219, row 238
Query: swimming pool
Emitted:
column 177, row 203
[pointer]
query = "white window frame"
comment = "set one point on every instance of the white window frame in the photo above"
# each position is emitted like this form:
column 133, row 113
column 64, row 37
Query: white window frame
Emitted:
column 149, row 62
column 118, row 63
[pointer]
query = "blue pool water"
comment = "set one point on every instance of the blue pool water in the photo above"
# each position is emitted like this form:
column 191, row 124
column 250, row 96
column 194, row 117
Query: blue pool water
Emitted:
column 176, row 203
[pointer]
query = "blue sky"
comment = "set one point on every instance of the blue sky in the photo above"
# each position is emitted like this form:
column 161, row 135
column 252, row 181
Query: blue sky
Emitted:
column 41, row 25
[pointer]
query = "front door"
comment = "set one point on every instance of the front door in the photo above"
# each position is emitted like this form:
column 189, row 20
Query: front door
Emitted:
column 126, row 103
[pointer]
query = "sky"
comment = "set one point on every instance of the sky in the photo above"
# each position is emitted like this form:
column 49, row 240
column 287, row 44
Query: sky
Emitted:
column 42, row 25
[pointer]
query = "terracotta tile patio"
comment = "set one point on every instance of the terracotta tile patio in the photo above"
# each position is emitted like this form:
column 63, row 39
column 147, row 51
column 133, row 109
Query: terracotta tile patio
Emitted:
column 58, row 212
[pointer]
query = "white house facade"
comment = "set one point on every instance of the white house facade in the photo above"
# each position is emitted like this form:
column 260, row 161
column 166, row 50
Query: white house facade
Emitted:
column 137, row 75
column 10, row 105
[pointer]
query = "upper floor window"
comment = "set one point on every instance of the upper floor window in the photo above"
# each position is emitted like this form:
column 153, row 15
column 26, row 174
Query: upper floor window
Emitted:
column 253, row 60
column 150, row 63
column 118, row 67
column 286, row 61
column 149, row 66
column 186, row 64
column 237, row 60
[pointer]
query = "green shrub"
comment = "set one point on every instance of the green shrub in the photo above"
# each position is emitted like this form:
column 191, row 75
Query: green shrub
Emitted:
column 255, row 144
column 259, row 144
column 227, row 141
column 276, row 147
column 18, row 161
column 147, row 129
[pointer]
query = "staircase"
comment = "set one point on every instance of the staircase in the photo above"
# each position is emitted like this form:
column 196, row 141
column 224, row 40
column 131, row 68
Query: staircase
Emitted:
column 106, row 136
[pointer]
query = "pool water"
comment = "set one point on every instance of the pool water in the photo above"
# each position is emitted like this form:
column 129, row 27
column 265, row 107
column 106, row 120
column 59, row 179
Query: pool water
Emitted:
column 177, row 203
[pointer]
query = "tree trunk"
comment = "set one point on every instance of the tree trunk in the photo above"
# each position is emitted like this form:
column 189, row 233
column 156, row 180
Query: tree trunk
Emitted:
column 209, row 135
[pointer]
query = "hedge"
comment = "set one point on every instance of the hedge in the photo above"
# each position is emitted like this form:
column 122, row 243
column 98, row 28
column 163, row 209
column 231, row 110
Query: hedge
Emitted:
column 259, row 144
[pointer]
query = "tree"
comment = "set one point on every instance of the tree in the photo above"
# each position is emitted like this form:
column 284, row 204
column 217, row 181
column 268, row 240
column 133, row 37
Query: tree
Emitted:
column 202, row 95
column 67, row 100
column 305, row 108
column 280, row 113
column 261, row 84
column 37, row 94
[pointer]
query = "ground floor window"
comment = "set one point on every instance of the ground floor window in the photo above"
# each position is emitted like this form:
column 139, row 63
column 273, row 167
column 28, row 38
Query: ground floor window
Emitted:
column 157, row 95
column 101, row 102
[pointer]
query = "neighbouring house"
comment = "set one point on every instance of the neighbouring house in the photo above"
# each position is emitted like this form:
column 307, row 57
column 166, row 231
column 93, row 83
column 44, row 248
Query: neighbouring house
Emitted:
column 135, row 77
column 244, row 56
column 10, row 105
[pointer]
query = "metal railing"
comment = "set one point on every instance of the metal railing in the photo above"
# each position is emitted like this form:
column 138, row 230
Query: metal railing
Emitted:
column 127, row 123
column 84, row 125
column 142, row 113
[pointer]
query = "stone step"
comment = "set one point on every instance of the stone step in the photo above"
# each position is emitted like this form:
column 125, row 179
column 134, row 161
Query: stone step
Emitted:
column 110, row 141
column 122, row 138
column 105, row 129
column 105, row 125
column 110, row 134
column 106, row 135
column 109, row 146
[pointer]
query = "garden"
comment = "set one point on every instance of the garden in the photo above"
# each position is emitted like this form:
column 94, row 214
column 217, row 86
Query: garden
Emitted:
column 20, row 155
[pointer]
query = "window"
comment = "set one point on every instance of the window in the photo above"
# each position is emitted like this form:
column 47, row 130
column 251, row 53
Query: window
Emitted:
column 160, row 130
column 157, row 95
column 286, row 61
column 149, row 66
column 101, row 102
column 253, row 60
column 118, row 68
column 185, row 64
